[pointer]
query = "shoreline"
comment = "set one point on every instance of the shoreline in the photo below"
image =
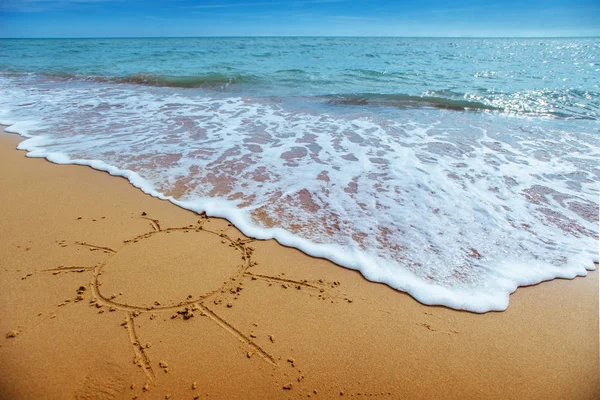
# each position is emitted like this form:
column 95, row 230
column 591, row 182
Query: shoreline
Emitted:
column 354, row 337
column 403, row 281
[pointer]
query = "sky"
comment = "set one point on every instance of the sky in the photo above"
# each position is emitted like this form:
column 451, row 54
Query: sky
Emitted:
column 150, row 18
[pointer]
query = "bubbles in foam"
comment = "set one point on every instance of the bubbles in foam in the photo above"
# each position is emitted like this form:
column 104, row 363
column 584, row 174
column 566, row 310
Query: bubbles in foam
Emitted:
column 454, row 208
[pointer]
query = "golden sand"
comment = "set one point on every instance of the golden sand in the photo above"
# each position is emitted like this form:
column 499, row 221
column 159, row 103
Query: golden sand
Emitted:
column 106, row 292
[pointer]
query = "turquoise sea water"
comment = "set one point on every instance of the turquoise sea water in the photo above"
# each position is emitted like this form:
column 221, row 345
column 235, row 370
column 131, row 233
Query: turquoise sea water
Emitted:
column 453, row 169
column 554, row 76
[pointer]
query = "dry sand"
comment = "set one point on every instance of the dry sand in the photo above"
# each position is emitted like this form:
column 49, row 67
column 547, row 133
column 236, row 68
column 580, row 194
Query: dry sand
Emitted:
column 106, row 292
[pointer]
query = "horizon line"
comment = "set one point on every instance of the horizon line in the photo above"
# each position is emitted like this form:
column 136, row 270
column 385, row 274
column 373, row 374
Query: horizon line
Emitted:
column 304, row 36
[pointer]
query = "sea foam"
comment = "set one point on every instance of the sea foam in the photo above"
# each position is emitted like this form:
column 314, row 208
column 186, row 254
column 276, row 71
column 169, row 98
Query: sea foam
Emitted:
column 454, row 208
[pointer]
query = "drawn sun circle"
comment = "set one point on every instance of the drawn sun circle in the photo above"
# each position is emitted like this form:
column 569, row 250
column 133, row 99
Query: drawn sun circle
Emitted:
column 169, row 268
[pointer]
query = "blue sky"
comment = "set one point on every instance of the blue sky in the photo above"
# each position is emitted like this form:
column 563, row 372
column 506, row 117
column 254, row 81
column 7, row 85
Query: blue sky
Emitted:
column 126, row 18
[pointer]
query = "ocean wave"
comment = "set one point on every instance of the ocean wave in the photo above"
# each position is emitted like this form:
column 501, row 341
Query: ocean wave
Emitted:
column 566, row 103
column 404, row 101
column 213, row 79
column 561, row 104
column 206, row 80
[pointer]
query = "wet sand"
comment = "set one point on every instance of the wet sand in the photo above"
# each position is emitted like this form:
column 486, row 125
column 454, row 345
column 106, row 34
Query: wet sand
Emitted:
column 106, row 292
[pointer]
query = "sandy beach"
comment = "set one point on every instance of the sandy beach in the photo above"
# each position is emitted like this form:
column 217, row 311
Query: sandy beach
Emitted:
column 106, row 292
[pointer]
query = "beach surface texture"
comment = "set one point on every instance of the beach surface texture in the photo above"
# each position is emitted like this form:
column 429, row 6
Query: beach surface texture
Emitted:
column 107, row 292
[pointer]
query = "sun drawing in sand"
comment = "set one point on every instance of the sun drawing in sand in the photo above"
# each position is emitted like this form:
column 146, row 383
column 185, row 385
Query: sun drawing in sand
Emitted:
column 231, row 256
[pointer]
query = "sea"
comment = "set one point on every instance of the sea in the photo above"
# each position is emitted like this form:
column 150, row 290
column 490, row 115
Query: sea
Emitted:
column 452, row 169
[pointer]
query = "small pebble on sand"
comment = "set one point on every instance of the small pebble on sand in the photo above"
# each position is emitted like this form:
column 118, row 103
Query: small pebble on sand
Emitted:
column 12, row 334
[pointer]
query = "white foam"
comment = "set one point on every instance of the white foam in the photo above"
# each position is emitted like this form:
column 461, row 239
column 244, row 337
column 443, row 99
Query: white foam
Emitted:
column 456, row 209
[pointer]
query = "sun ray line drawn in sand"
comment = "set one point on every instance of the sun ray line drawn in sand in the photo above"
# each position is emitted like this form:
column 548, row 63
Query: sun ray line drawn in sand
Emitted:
column 212, row 282
column 19, row 333
column 94, row 247
column 154, row 222
column 68, row 269
column 141, row 358
column 278, row 279
column 239, row 335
